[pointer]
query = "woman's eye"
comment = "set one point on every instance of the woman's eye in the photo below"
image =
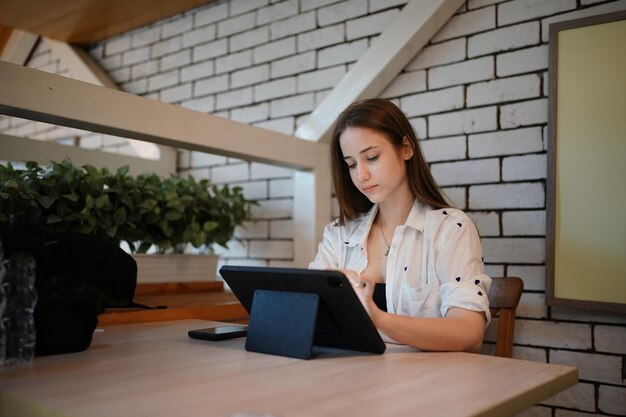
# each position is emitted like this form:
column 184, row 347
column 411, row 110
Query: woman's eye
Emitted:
column 351, row 166
column 372, row 158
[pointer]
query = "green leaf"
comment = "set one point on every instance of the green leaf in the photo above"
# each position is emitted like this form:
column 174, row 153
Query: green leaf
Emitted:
column 11, row 184
column 72, row 197
column 102, row 201
column 45, row 200
column 111, row 231
column 53, row 218
column 173, row 215
column 126, row 200
column 5, row 174
column 209, row 226
column 119, row 216
column 89, row 201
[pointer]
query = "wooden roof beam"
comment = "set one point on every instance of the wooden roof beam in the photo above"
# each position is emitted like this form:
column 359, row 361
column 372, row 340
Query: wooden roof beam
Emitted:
column 388, row 55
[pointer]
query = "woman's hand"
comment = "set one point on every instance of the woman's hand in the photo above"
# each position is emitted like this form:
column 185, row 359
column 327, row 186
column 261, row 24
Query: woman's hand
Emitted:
column 364, row 289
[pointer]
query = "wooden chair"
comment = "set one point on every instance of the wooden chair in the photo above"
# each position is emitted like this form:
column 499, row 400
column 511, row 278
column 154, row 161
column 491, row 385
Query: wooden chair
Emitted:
column 504, row 296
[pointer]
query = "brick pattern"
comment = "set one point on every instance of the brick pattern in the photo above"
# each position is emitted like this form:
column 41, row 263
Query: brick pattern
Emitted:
column 476, row 94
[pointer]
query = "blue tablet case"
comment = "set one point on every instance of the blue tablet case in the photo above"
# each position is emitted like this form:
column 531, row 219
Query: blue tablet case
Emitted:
column 282, row 323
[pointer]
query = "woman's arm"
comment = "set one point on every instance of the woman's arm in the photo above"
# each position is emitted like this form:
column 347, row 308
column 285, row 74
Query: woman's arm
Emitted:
column 461, row 330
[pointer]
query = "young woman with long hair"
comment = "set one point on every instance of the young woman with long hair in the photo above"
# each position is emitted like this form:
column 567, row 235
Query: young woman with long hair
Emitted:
column 415, row 262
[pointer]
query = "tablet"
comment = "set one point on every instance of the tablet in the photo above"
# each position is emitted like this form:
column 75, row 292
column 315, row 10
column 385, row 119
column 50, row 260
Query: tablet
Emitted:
column 342, row 321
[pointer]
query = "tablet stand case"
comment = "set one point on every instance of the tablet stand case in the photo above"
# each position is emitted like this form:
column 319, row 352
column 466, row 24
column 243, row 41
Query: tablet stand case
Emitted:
column 282, row 323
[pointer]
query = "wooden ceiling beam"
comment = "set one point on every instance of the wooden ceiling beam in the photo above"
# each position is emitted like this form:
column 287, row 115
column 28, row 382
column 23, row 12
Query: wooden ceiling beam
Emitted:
column 418, row 21
column 88, row 21
column 18, row 46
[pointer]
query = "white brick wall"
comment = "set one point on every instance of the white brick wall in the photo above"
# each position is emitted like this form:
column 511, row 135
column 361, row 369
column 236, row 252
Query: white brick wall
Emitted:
column 408, row 82
column 465, row 121
column 274, row 249
column 281, row 229
column 253, row 230
column 461, row 73
column 519, row 11
column 439, row 54
column 610, row 339
column 250, row 38
column 229, row 173
column 526, row 167
column 467, row 23
column 524, row 113
column 341, row 12
column 503, row 89
column 319, row 80
column 234, row 98
column 505, row 142
column 272, row 209
column 293, row 25
column 477, row 94
column 444, row 149
column 251, row 75
column 553, row 334
column 507, row 196
column 488, row 223
column 251, row 114
column 523, row 60
column 524, row 223
column 591, row 367
column 533, row 306
column 533, row 276
column 302, row 103
column 369, row 25
column 259, row 170
column 293, row 65
column 209, row 50
column 466, row 172
column 433, row 102
column 342, row 53
column 579, row 397
column 611, row 400
column 277, row 88
column 504, row 39
column 514, row 250
column 321, row 37
column 277, row 12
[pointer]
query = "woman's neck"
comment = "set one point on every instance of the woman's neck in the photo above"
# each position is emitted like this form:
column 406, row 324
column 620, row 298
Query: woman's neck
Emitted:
column 392, row 213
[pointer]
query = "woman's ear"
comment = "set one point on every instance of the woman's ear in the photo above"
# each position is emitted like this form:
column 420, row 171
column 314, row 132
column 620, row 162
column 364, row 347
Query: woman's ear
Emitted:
column 407, row 149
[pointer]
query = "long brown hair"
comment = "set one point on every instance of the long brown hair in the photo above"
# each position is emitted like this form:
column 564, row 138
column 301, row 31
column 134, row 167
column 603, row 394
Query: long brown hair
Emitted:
column 386, row 118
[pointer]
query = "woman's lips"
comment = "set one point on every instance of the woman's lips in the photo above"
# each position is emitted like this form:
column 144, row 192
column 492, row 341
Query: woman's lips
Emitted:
column 369, row 188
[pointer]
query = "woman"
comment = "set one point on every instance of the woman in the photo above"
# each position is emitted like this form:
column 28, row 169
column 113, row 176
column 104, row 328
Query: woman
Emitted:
column 396, row 228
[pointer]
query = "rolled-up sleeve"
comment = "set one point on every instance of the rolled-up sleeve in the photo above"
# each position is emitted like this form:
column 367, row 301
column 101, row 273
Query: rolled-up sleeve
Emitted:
column 328, row 250
column 463, row 282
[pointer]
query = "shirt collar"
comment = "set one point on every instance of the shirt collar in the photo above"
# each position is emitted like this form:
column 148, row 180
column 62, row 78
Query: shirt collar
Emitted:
column 416, row 216
column 414, row 220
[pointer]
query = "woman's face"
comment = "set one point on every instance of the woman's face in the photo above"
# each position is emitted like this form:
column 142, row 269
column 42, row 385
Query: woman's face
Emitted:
column 377, row 168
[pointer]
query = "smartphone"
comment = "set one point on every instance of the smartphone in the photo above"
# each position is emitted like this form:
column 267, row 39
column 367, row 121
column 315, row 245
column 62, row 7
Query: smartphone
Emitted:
column 220, row 332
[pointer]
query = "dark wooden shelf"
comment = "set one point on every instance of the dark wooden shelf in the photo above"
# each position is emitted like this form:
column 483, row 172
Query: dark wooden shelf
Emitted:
column 194, row 300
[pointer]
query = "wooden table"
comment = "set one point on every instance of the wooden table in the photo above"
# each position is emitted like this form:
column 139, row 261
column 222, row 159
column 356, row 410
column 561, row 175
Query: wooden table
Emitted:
column 154, row 369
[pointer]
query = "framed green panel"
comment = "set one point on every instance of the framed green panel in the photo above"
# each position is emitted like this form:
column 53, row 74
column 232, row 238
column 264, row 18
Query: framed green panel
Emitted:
column 586, row 184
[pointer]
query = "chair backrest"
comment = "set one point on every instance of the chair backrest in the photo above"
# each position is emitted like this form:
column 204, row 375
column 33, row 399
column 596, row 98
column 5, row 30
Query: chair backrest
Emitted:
column 504, row 296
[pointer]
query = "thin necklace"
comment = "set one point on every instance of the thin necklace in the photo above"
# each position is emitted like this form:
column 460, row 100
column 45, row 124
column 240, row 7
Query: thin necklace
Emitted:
column 382, row 232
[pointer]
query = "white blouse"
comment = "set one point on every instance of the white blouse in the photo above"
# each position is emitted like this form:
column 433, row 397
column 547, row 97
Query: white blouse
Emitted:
column 435, row 260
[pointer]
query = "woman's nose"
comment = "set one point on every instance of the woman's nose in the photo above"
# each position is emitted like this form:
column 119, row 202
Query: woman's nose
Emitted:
column 363, row 173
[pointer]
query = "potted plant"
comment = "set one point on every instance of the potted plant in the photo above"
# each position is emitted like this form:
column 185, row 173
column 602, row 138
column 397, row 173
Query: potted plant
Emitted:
column 145, row 212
